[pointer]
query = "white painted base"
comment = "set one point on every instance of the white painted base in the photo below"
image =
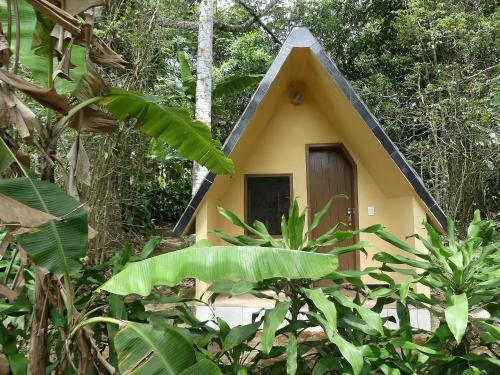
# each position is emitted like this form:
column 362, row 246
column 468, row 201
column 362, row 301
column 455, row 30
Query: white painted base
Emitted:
column 236, row 315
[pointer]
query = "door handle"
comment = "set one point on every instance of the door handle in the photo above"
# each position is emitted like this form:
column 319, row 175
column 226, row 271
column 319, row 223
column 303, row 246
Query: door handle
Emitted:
column 350, row 214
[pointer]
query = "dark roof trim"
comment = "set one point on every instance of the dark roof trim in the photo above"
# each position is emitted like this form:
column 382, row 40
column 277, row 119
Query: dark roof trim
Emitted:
column 302, row 37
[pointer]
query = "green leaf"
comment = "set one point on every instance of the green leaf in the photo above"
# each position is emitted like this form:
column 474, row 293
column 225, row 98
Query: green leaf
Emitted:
column 33, row 48
column 421, row 348
column 145, row 350
column 233, row 218
column 190, row 138
column 350, row 352
column 452, row 242
column 210, row 264
column 149, row 247
column 188, row 81
column 6, row 158
column 235, row 85
column 18, row 364
column 403, row 290
column 397, row 259
column 347, row 249
column 474, row 229
column 324, row 365
column 204, row 367
column 318, row 216
column 371, row 318
column 456, row 315
column 240, row 334
column 386, row 236
column 291, row 352
column 389, row 370
column 272, row 319
column 324, row 305
column 490, row 328
column 383, row 277
column 57, row 245
column 380, row 292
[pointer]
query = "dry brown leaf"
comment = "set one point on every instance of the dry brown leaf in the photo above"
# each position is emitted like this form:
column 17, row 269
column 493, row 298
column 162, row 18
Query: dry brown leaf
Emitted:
column 27, row 114
column 18, row 282
column 6, row 104
column 79, row 167
column 47, row 97
column 102, row 54
column 8, row 293
column 5, row 52
column 91, row 119
column 75, row 7
column 5, row 244
column 4, row 365
column 12, row 211
column 61, row 36
column 92, row 233
column 15, row 111
column 65, row 64
column 91, row 84
column 56, row 14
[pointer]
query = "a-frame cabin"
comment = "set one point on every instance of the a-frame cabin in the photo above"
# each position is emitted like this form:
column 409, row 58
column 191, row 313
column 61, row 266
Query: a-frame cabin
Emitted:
column 307, row 134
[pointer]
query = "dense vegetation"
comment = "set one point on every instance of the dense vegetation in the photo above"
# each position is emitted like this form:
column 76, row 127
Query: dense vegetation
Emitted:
column 113, row 89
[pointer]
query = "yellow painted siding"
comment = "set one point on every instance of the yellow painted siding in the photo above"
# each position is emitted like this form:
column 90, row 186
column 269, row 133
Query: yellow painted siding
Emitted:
column 275, row 142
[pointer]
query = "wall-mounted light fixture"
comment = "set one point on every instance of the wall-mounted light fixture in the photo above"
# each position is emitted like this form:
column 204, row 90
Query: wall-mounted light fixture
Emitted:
column 297, row 97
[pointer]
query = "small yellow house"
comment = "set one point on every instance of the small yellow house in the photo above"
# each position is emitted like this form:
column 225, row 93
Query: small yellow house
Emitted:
column 307, row 134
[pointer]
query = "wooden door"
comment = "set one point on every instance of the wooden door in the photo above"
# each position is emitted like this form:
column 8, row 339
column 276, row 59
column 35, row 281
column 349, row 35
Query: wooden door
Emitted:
column 331, row 171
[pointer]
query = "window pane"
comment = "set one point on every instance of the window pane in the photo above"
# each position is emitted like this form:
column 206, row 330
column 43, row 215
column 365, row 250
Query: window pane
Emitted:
column 268, row 199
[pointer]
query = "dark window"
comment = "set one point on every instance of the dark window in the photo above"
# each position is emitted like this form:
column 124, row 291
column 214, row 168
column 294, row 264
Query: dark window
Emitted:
column 268, row 199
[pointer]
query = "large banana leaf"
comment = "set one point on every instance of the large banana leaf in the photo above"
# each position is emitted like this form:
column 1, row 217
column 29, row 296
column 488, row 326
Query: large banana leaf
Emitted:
column 59, row 244
column 210, row 264
column 56, row 245
column 171, row 125
column 6, row 158
column 204, row 367
column 144, row 350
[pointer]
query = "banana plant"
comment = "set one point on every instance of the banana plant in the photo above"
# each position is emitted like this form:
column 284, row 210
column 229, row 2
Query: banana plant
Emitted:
column 223, row 88
column 288, row 267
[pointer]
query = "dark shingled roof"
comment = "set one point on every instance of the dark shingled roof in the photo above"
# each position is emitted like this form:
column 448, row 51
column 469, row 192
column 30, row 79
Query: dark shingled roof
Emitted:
column 302, row 37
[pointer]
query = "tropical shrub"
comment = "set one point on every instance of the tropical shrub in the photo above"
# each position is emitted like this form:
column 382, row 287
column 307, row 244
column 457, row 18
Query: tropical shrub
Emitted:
column 353, row 337
column 464, row 279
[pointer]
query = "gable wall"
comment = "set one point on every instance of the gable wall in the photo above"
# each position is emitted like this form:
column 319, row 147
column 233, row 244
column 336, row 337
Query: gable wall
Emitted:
column 276, row 143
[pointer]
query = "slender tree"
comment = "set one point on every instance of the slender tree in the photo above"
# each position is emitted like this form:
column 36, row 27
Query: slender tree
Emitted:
column 203, row 106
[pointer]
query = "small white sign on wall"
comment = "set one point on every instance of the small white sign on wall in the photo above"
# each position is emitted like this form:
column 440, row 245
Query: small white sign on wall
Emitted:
column 371, row 211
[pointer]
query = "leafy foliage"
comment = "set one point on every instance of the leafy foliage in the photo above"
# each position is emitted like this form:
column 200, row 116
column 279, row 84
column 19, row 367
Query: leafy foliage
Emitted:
column 173, row 126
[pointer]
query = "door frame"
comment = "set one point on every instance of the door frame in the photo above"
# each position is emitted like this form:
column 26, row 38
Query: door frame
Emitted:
column 351, row 161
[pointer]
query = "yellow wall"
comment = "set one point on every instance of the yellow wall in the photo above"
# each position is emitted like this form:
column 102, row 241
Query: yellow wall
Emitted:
column 275, row 142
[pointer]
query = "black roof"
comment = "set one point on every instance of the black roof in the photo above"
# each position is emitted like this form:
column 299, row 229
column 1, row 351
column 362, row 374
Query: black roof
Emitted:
column 301, row 37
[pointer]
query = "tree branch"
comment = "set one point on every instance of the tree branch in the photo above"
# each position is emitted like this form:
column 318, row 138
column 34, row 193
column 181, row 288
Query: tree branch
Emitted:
column 223, row 26
column 256, row 16
column 193, row 25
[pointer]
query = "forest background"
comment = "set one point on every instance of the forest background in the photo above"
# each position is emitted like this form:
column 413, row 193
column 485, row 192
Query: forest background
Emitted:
column 428, row 70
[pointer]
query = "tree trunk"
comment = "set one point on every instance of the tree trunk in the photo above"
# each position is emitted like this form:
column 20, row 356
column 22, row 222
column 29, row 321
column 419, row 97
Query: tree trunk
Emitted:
column 37, row 356
column 203, row 106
